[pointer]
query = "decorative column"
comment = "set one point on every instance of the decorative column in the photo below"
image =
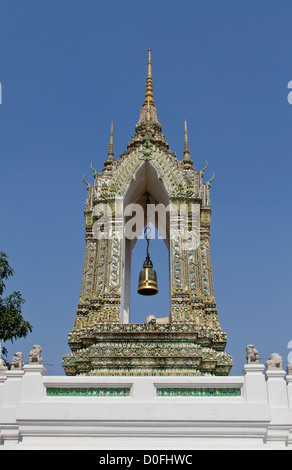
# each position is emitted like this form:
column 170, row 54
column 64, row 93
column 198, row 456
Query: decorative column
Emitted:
column 277, row 389
column 255, row 384
column 276, row 383
column 11, row 396
column 3, row 379
column 32, row 383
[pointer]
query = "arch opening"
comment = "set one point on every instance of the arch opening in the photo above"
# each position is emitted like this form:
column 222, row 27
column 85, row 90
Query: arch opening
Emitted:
column 146, row 186
column 140, row 306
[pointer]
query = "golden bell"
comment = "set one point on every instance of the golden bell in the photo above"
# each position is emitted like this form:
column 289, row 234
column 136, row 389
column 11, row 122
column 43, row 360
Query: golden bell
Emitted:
column 148, row 279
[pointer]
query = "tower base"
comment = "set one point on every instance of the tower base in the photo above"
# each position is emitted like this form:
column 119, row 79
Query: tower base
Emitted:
column 147, row 350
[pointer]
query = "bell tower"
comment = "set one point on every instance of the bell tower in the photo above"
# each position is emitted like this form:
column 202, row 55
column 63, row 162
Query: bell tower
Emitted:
column 147, row 183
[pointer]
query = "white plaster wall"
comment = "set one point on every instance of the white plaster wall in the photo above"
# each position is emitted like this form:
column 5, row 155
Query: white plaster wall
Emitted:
column 260, row 418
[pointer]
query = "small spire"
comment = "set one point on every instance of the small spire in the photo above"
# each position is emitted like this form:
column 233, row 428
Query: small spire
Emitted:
column 188, row 162
column 186, row 139
column 148, row 124
column 110, row 155
column 148, row 108
column 111, row 145
column 149, row 95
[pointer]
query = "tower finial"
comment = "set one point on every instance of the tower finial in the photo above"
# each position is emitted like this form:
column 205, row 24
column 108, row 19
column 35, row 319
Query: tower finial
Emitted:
column 149, row 96
column 186, row 150
column 187, row 161
column 111, row 145
column 149, row 63
column 148, row 120
column 110, row 155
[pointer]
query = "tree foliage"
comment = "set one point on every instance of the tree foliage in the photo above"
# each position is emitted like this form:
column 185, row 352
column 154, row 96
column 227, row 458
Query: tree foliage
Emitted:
column 12, row 324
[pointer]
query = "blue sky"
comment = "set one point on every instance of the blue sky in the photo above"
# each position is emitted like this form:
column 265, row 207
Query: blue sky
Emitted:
column 70, row 67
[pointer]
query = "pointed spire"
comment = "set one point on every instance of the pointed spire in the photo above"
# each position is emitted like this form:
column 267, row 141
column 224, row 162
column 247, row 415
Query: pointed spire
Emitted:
column 111, row 145
column 186, row 139
column 187, row 161
column 110, row 155
column 148, row 122
column 149, row 95
column 148, row 109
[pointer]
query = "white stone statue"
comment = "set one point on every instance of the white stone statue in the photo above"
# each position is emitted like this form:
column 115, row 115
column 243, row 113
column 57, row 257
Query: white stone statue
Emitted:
column 289, row 369
column 275, row 362
column 35, row 355
column 252, row 355
column 17, row 361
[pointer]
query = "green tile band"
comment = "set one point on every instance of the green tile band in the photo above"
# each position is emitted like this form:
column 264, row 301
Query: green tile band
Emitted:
column 88, row 392
column 198, row 392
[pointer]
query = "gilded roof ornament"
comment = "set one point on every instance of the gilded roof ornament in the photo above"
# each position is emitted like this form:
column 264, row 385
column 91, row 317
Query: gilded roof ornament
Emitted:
column 204, row 169
column 187, row 161
column 149, row 95
column 211, row 180
column 148, row 109
column 86, row 183
column 110, row 156
column 93, row 170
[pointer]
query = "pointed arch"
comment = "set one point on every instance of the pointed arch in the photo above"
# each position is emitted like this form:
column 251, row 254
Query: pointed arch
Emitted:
column 167, row 167
column 145, row 180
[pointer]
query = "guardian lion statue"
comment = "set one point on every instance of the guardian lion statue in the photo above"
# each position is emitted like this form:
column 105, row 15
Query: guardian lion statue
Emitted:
column 275, row 362
column 35, row 355
column 252, row 355
column 17, row 361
